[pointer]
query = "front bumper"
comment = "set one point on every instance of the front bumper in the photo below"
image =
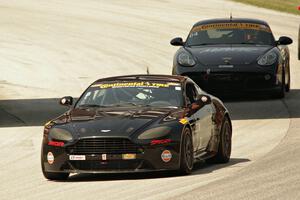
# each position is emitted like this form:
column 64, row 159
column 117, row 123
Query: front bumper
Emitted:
column 149, row 159
column 236, row 82
column 238, row 79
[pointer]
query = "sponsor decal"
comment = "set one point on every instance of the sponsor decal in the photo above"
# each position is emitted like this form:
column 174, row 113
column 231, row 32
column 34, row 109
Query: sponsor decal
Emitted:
column 56, row 144
column 178, row 88
column 77, row 157
column 104, row 157
column 173, row 84
column 129, row 156
column 251, row 26
column 135, row 84
column 50, row 158
column 183, row 121
column 164, row 141
column 166, row 156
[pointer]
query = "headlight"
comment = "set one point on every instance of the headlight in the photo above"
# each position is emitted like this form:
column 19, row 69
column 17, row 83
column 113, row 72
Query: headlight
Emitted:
column 60, row 134
column 186, row 59
column 268, row 59
column 155, row 133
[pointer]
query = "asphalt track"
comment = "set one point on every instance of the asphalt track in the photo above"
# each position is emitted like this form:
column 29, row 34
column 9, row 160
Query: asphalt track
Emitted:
column 54, row 48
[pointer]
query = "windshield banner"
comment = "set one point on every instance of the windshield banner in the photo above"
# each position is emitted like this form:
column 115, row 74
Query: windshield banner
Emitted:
column 259, row 27
column 135, row 84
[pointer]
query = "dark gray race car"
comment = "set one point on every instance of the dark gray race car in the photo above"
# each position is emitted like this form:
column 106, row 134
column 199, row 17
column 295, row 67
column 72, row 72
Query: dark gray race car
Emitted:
column 234, row 55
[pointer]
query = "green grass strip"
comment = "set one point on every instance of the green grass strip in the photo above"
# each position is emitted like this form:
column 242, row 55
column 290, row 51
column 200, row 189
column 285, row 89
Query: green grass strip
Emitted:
column 288, row 6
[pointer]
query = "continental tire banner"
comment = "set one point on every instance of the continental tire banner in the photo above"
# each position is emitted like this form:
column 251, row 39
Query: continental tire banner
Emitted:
column 251, row 26
column 135, row 84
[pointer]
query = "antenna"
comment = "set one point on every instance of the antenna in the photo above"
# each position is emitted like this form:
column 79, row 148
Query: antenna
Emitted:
column 148, row 72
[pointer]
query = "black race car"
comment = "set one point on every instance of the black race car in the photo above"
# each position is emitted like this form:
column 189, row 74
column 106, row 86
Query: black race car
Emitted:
column 225, row 56
column 136, row 123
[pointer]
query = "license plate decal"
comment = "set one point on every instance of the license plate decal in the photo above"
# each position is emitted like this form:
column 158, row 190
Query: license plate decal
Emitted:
column 226, row 66
column 77, row 157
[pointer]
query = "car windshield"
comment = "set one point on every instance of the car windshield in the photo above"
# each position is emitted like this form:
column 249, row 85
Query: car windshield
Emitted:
column 230, row 33
column 135, row 93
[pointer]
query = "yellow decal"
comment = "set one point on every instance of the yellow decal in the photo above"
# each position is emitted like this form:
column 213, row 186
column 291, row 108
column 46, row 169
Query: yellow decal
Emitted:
column 133, row 84
column 251, row 26
column 183, row 121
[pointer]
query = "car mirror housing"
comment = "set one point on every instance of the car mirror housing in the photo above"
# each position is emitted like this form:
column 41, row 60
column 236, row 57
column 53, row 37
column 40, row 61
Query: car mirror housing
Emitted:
column 205, row 99
column 66, row 101
column 177, row 41
column 202, row 101
column 283, row 40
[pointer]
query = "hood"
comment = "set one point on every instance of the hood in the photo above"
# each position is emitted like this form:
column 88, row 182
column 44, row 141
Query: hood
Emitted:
column 114, row 122
column 228, row 55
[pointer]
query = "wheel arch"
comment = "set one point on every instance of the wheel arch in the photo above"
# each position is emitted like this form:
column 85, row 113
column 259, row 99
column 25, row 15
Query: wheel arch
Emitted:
column 226, row 115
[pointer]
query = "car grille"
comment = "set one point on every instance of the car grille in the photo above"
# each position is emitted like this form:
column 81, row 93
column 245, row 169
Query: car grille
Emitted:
column 103, row 146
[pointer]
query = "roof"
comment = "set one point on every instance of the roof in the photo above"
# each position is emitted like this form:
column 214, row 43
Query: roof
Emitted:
column 233, row 20
column 148, row 77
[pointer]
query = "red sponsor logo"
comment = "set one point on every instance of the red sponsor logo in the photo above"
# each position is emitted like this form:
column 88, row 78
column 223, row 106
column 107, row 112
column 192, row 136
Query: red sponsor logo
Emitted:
column 164, row 141
column 56, row 144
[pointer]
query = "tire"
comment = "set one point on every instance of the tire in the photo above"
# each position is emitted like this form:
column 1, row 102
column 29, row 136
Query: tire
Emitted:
column 55, row 176
column 224, row 149
column 187, row 153
column 288, row 84
column 281, row 93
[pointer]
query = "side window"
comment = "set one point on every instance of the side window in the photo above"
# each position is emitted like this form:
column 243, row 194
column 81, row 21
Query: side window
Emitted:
column 86, row 98
column 191, row 93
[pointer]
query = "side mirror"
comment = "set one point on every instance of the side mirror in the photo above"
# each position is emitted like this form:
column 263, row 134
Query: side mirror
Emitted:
column 177, row 41
column 283, row 40
column 66, row 101
column 205, row 99
column 202, row 101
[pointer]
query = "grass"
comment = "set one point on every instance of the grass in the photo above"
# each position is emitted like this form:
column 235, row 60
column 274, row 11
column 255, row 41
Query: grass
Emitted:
column 288, row 6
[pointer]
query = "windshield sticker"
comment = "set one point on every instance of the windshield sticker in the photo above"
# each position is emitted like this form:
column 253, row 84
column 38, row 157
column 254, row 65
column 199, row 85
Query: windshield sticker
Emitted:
column 251, row 26
column 174, row 84
column 135, row 84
